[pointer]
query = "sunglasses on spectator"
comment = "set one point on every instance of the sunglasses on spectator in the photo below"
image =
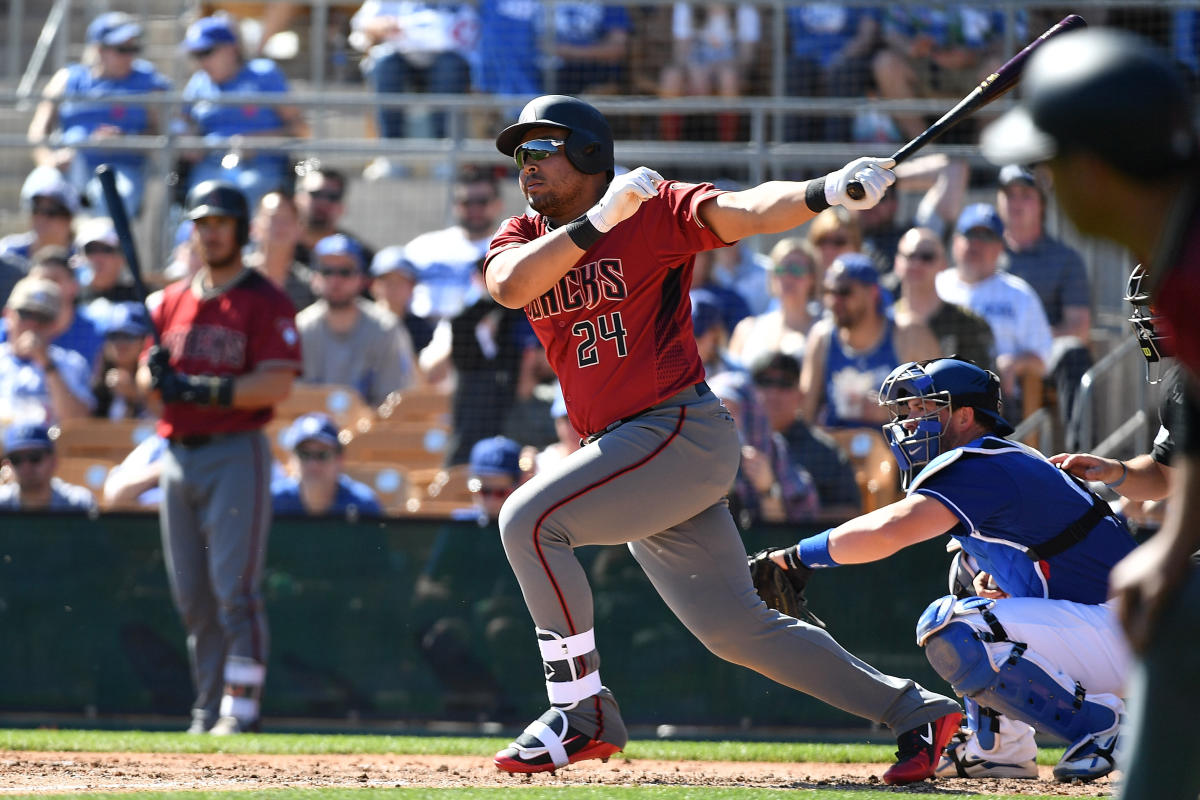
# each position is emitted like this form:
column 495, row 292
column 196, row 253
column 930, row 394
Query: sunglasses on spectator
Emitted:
column 128, row 49
column 315, row 455
column 338, row 272
column 839, row 291
column 202, row 54
column 794, row 269
column 832, row 241
column 775, row 382
column 921, row 255
column 35, row 457
column 98, row 249
column 54, row 210
column 536, row 150
column 982, row 235
column 327, row 195
column 34, row 316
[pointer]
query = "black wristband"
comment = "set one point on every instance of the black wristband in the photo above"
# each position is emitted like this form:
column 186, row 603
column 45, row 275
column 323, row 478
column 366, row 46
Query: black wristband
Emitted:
column 583, row 233
column 223, row 391
column 814, row 195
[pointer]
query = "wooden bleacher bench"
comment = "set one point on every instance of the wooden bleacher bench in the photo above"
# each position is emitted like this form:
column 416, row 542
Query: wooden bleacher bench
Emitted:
column 419, row 404
column 874, row 466
column 390, row 483
column 83, row 471
column 342, row 403
column 407, row 446
column 105, row 439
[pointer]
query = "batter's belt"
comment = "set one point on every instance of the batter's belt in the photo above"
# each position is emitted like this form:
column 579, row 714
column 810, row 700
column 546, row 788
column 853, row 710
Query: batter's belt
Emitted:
column 700, row 389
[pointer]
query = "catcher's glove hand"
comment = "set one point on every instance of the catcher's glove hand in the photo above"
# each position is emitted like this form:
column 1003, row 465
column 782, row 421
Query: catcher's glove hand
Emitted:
column 783, row 589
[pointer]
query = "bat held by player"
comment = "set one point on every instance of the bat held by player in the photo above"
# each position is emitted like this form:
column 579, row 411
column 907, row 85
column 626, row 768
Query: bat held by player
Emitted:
column 116, row 210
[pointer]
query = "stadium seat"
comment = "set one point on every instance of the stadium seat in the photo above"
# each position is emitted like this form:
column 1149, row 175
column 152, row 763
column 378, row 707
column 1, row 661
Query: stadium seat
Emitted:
column 84, row 471
column 343, row 403
column 391, row 484
column 105, row 439
column 419, row 404
column 405, row 445
column 874, row 466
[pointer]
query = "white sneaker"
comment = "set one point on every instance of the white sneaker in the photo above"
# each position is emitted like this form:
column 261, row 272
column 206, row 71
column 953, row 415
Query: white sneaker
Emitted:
column 957, row 762
column 230, row 725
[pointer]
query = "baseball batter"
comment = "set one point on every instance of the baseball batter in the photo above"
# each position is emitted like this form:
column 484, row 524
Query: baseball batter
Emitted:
column 229, row 353
column 603, row 270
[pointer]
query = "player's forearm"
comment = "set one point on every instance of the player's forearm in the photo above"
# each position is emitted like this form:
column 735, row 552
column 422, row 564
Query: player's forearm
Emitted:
column 519, row 276
column 264, row 387
column 1145, row 479
column 771, row 207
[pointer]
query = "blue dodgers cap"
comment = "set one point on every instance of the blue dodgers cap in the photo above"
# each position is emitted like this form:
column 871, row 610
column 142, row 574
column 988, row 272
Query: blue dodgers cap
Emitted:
column 127, row 318
column 498, row 455
column 27, row 436
column 339, row 244
column 706, row 311
column 208, row 32
column 392, row 259
column 856, row 267
column 979, row 215
column 113, row 28
column 307, row 427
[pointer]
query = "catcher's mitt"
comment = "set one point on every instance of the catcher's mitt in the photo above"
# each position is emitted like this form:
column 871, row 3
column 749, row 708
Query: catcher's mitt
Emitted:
column 783, row 589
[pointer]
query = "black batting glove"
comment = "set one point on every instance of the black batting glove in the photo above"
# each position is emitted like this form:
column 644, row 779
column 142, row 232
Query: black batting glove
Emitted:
column 158, row 360
column 201, row 390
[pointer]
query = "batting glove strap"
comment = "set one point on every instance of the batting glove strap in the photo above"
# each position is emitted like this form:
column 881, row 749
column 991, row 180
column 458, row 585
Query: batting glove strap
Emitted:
column 201, row 390
column 814, row 195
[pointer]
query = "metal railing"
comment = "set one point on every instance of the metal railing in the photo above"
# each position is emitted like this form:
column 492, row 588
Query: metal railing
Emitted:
column 1087, row 405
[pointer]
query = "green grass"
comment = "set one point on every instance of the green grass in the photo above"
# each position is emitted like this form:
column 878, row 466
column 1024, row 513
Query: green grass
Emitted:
column 317, row 744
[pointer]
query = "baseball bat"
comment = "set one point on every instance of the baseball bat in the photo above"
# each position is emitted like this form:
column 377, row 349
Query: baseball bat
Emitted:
column 116, row 209
column 990, row 88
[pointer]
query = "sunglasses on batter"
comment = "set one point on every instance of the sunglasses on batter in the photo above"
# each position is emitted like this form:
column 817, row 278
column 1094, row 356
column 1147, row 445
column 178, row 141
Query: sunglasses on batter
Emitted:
column 536, row 150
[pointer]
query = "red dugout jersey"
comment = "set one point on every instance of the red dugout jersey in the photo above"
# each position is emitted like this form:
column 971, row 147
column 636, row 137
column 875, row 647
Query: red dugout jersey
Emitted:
column 617, row 327
column 244, row 326
column 1177, row 273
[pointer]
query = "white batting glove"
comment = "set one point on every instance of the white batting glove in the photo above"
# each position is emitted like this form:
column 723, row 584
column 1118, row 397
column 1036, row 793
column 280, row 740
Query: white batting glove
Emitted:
column 875, row 175
column 624, row 196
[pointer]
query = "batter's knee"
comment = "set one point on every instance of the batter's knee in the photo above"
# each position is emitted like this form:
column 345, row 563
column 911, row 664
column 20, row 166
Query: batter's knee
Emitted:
column 524, row 519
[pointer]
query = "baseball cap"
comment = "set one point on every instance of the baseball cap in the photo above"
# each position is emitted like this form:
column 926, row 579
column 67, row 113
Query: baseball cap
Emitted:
column 27, row 436
column 208, row 32
column 497, row 455
column 127, row 318
column 1104, row 91
column 113, row 28
column 1017, row 173
column 39, row 295
column 339, row 244
column 308, row 427
column 706, row 311
column 856, row 267
column 979, row 215
column 49, row 182
column 775, row 369
column 97, row 229
column 391, row 259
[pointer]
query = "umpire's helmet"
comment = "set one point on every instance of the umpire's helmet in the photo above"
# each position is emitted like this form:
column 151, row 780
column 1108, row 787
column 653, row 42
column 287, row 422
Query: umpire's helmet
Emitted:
column 220, row 199
column 589, row 143
column 1106, row 92
column 915, row 441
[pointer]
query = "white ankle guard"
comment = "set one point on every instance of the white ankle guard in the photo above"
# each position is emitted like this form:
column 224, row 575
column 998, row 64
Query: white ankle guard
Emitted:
column 564, row 685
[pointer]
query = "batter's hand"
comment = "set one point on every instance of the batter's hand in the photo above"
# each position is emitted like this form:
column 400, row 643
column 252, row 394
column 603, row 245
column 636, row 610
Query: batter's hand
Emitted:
column 158, row 360
column 875, row 175
column 624, row 196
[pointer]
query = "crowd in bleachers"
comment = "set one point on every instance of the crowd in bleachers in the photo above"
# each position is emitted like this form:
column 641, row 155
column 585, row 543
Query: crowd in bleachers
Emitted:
column 408, row 362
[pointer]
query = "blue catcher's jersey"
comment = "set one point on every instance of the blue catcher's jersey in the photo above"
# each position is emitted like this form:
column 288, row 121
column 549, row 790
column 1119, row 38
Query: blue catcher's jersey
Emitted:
column 1008, row 498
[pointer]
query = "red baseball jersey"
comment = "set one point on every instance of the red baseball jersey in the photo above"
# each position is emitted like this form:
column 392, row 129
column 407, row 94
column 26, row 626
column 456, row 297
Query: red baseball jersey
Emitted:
column 1177, row 273
column 246, row 325
column 617, row 327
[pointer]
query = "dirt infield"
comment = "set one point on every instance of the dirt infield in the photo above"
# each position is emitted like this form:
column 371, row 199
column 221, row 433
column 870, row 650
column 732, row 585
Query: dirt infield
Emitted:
column 27, row 772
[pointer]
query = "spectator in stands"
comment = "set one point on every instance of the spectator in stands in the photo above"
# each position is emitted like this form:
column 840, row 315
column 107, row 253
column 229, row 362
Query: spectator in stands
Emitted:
column 1058, row 275
column 317, row 486
column 769, row 485
column 739, row 268
column 114, row 386
column 715, row 47
column 943, row 182
column 133, row 484
column 712, row 337
column 785, row 327
column 829, row 56
column 29, row 453
column 446, row 260
column 213, row 44
column 935, row 52
column 72, row 330
column 508, row 61
column 274, row 235
column 1010, row 305
column 591, row 44
column 70, row 115
column 728, row 298
column 393, row 279
column 39, row 381
column 185, row 259
column 776, row 376
column 831, row 233
column 414, row 47
column 12, row 269
column 52, row 204
column 321, row 202
column 569, row 439
column 495, row 467
column 347, row 339
column 854, row 348
column 960, row 332
column 100, row 269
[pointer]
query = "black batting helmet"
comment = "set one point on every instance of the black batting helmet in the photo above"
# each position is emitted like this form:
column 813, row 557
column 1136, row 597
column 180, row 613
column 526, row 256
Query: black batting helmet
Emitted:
column 589, row 142
column 220, row 199
column 1102, row 91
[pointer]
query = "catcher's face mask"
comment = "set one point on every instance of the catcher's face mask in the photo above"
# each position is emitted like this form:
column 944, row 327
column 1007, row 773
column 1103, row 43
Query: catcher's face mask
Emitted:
column 915, row 432
column 1149, row 328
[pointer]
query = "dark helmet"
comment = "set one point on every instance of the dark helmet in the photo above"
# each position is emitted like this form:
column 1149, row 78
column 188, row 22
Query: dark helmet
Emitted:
column 1153, row 332
column 1103, row 91
column 220, row 199
column 589, row 145
column 943, row 382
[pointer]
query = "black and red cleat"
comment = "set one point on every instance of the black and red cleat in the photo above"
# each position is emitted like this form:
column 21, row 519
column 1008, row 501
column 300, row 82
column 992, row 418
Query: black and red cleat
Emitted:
column 549, row 743
column 919, row 749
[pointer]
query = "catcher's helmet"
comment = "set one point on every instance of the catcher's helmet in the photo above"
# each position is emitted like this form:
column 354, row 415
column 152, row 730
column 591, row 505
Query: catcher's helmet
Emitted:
column 1103, row 91
column 1152, row 331
column 220, row 199
column 915, row 441
column 589, row 142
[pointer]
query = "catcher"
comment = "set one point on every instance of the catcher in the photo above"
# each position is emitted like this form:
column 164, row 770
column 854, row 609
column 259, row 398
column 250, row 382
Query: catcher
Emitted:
column 1035, row 644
